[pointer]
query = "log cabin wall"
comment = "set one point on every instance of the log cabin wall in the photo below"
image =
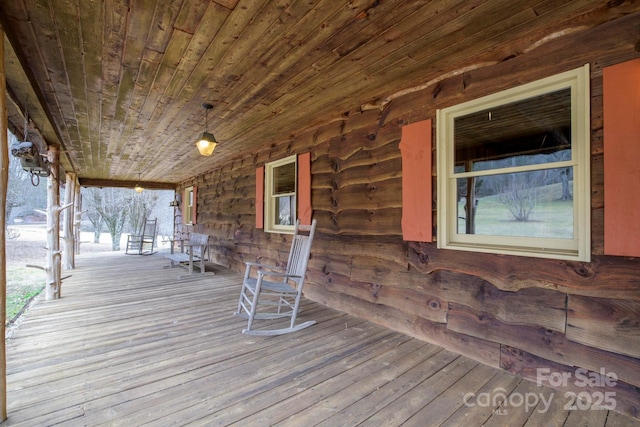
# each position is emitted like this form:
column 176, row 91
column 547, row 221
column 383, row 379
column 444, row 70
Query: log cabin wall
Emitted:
column 515, row 313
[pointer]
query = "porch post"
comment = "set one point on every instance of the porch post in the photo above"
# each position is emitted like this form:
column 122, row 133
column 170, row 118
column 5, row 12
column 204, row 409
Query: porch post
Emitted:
column 4, row 180
column 77, row 217
column 54, row 264
column 68, row 222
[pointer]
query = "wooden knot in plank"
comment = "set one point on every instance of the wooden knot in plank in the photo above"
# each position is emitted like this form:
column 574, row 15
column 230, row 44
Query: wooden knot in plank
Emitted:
column 375, row 290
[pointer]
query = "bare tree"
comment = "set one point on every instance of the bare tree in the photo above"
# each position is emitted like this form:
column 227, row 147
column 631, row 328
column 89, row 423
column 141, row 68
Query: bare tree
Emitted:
column 112, row 205
column 118, row 209
column 519, row 192
column 140, row 208
column 94, row 216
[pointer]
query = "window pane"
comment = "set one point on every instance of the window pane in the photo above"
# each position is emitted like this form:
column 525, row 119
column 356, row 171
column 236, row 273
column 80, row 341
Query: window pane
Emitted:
column 284, row 179
column 285, row 208
column 532, row 131
column 524, row 204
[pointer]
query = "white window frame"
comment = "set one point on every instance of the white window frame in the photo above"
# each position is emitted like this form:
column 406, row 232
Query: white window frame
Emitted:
column 270, row 223
column 579, row 247
column 187, row 207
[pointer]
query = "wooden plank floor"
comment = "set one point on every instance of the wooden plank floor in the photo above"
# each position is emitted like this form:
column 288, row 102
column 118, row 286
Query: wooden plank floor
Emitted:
column 129, row 344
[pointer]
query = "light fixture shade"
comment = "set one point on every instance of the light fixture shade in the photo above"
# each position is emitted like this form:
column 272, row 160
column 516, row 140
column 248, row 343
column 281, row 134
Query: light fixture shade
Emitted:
column 206, row 144
column 138, row 187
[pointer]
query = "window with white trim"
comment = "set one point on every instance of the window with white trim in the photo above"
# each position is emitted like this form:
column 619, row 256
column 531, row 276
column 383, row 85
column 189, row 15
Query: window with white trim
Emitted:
column 513, row 170
column 280, row 204
column 189, row 201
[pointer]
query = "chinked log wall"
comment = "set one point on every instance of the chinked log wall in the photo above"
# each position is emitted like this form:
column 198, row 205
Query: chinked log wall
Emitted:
column 515, row 313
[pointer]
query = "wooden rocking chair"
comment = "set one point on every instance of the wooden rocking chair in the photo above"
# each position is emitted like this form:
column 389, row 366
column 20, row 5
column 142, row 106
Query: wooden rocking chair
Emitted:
column 279, row 296
column 143, row 243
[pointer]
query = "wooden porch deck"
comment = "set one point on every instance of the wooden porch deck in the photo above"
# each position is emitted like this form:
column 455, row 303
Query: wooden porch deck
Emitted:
column 129, row 344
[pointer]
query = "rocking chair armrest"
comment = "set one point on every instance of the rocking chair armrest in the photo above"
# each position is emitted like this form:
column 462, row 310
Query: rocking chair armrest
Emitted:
column 264, row 266
column 278, row 274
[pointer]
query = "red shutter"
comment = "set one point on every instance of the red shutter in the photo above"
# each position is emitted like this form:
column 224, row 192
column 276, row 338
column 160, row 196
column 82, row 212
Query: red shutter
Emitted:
column 304, row 188
column 260, row 197
column 621, row 97
column 415, row 146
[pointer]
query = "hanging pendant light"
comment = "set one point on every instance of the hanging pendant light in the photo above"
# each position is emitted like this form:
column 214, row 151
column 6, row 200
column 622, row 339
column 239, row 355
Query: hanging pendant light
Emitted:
column 138, row 187
column 207, row 142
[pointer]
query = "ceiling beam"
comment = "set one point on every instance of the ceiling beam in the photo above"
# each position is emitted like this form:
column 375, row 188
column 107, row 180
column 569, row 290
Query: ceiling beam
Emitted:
column 147, row 185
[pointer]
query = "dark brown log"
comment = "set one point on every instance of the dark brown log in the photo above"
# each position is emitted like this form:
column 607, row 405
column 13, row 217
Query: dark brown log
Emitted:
column 360, row 221
column 415, row 326
column 416, row 302
column 545, row 343
column 608, row 276
column 536, row 307
column 377, row 195
column 610, row 324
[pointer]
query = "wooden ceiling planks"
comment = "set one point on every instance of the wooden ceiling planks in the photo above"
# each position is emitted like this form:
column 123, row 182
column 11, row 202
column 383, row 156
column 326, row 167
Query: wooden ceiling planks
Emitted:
column 224, row 61
column 123, row 82
column 267, row 66
column 113, row 109
column 90, row 22
column 182, row 103
column 15, row 78
column 298, row 44
column 343, row 70
column 442, row 31
column 348, row 78
column 75, row 104
column 436, row 40
column 58, row 97
column 291, row 74
column 196, row 26
column 149, row 57
column 131, row 89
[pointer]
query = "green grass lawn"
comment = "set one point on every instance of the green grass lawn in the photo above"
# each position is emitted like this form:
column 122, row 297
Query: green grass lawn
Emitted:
column 23, row 283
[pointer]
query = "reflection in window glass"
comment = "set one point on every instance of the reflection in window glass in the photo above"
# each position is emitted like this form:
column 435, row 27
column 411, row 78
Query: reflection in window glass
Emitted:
column 535, row 130
column 285, row 210
column 284, row 179
column 524, row 204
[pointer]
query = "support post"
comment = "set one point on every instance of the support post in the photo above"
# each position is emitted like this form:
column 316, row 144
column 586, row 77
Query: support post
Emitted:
column 68, row 221
column 54, row 264
column 77, row 221
column 4, row 180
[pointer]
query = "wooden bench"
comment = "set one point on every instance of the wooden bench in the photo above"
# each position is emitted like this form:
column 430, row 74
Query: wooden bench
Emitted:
column 195, row 251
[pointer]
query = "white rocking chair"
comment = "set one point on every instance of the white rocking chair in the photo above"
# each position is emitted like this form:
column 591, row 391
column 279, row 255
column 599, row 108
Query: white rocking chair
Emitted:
column 281, row 295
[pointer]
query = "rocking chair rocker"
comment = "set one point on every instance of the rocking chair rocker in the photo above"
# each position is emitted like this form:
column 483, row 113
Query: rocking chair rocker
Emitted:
column 280, row 296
